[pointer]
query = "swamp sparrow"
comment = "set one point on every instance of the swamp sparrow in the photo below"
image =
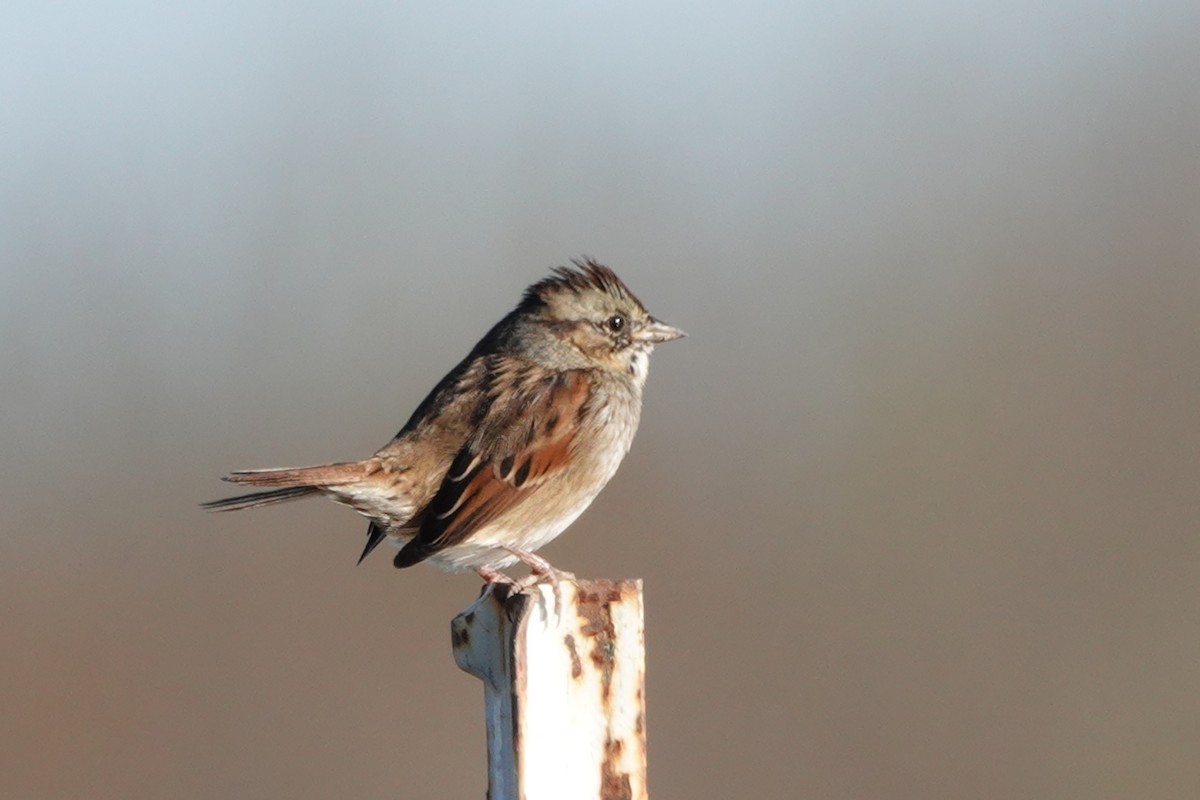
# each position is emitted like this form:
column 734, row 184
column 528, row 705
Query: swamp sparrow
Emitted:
column 512, row 445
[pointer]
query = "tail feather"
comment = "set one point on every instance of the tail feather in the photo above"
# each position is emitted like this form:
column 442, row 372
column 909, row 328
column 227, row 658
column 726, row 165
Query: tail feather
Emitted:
column 292, row 484
column 256, row 499
column 320, row 475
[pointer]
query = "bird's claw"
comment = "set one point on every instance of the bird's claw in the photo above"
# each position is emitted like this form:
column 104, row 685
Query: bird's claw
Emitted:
column 539, row 570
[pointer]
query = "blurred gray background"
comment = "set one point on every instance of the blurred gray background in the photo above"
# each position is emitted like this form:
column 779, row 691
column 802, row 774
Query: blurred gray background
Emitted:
column 916, row 503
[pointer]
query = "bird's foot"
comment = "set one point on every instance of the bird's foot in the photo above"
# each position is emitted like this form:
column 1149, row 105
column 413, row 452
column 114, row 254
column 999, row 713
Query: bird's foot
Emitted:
column 540, row 569
column 490, row 576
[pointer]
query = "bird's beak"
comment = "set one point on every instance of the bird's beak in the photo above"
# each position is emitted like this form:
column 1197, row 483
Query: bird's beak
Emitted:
column 656, row 332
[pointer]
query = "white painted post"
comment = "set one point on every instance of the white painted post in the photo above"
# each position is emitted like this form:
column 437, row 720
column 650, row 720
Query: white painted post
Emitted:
column 564, row 688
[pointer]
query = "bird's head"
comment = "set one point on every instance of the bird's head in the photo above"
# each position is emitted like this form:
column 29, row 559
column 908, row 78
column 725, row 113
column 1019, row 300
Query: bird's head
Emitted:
column 593, row 320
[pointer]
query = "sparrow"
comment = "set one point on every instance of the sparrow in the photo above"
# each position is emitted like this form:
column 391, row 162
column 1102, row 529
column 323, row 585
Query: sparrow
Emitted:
column 512, row 445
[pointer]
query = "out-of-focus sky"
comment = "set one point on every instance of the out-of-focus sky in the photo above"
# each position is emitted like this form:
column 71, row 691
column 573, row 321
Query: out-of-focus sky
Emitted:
column 916, row 504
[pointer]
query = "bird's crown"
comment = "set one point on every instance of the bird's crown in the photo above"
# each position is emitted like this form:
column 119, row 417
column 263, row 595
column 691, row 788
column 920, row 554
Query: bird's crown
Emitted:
column 585, row 275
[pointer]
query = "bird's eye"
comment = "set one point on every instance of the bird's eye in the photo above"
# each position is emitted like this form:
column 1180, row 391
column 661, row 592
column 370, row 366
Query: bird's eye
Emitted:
column 615, row 323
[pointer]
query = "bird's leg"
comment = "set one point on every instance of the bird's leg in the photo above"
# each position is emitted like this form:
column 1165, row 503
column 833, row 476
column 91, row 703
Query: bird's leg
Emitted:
column 540, row 568
column 490, row 575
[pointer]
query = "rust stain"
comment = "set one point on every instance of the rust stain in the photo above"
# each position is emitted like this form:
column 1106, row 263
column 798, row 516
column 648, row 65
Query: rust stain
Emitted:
column 576, row 664
column 595, row 609
column 614, row 784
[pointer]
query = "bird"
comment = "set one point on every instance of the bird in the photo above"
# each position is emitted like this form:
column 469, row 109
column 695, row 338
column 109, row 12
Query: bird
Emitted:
column 511, row 446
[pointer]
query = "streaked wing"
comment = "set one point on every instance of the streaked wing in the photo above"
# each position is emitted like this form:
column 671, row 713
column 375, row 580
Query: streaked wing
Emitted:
column 526, row 424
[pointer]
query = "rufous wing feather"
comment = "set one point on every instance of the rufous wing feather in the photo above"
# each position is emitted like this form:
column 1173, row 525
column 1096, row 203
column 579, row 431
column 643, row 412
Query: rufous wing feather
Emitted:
column 525, row 439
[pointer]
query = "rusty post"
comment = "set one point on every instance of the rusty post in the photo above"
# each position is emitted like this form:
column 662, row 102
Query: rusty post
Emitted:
column 563, row 682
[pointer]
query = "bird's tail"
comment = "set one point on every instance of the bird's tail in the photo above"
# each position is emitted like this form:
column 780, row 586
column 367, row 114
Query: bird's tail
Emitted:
column 290, row 484
column 256, row 499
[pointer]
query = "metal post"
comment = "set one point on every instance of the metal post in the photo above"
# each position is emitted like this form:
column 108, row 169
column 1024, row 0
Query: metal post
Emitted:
column 564, row 688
